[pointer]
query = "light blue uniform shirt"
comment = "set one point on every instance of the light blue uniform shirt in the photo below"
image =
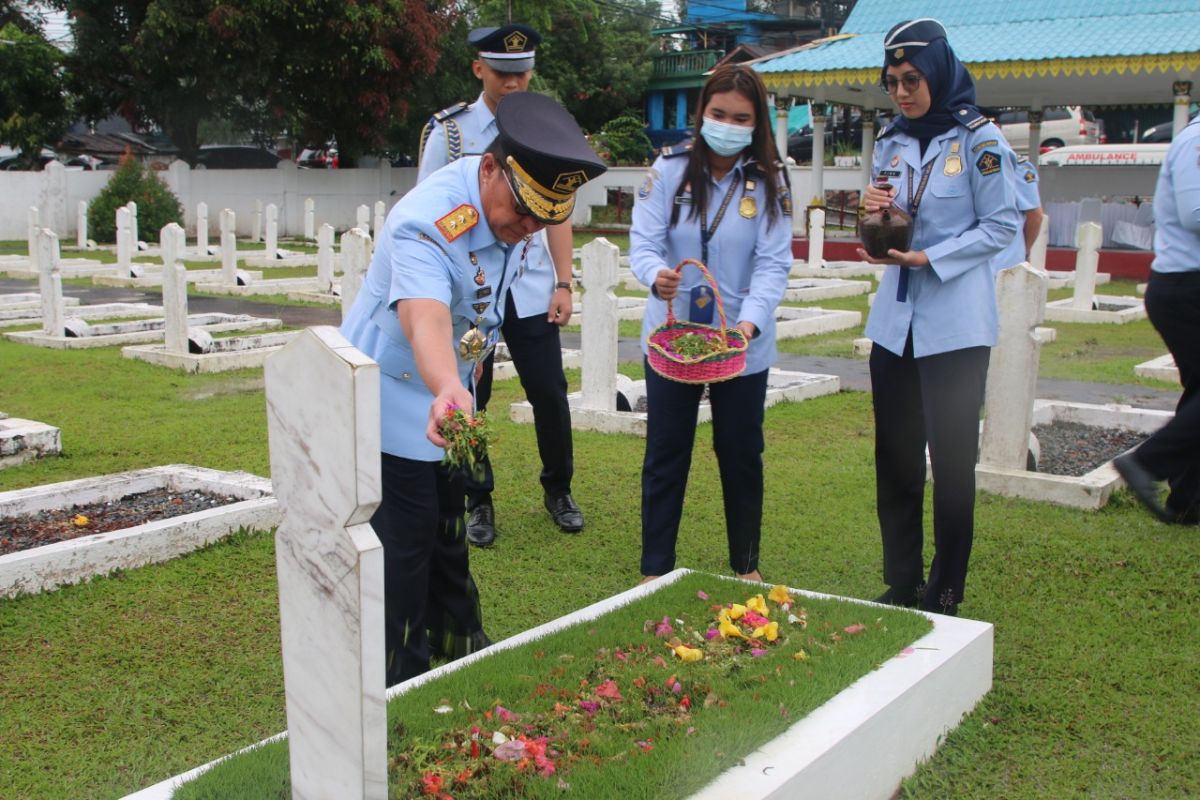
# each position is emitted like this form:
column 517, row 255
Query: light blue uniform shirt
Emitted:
column 414, row 258
column 475, row 128
column 1025, row 180
column 966, row 218
column 748, row 259
column 1177, row 205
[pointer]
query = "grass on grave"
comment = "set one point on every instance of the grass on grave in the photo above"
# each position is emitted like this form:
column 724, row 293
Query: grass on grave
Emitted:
column 1096, row 644
column 668, row 723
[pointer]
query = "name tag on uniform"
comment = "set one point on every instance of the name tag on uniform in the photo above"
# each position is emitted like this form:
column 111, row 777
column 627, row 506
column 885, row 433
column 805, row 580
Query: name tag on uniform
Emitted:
column 700, row 309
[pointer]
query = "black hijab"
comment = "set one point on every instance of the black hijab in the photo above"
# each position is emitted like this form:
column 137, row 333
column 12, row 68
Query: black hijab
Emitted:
column 922, row 43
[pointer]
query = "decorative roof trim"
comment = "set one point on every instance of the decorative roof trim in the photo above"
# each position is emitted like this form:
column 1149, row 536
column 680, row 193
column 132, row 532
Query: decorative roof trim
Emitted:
column 1095, row 65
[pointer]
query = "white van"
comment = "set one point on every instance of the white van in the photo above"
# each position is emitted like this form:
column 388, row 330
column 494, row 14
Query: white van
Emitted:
column 1061, row 125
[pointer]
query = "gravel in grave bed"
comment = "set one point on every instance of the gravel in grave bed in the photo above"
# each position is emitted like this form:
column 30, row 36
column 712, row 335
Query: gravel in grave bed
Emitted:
column 1073, row 449
column 60, row 524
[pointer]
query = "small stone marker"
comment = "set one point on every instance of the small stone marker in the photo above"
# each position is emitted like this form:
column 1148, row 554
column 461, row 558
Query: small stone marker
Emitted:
column 363, row 218
column 323, row 431
column 31, row 232
column 50, row 282
column 124, row 240
column 1013, row 368
column 202, row 229
column 1037, row 253
column 256, row 222
column 325, row 258
column 309, row 219
column 601, row 260
column 272, row 247
column 356, row 257
column 228, row 247
column 816, row 238
column 135, row 243
column 81, row 225
column 380, row 216
column 1088, row 240
column 175, row 299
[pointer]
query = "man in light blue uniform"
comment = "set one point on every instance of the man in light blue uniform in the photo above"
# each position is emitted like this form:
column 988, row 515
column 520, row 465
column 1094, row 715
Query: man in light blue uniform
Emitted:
column 428, row 312
column 1172, row 454
column 1029, row 202
column 539, row 303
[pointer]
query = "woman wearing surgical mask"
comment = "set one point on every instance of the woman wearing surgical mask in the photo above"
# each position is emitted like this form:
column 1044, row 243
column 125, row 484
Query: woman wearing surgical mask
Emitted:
column 721, row 198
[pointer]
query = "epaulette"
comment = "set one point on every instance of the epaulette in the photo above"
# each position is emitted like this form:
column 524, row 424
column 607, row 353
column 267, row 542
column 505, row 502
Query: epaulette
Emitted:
column 971, row 119
column 888, row 129
column 677, row 149
column 450, row 111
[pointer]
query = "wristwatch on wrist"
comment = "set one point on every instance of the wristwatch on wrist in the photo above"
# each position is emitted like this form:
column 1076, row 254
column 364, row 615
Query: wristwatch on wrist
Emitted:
column 563, row 285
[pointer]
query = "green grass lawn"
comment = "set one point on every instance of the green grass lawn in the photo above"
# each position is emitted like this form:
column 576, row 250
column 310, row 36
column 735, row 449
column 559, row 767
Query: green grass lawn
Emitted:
column 113, row 685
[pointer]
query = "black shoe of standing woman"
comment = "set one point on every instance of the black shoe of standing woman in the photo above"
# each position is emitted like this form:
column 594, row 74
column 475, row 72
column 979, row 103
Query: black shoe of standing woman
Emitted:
column 1142, row 484
column 902, row 596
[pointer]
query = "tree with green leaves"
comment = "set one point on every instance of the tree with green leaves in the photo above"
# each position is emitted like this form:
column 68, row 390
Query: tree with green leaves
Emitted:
column 156, row 204
column 34, row 107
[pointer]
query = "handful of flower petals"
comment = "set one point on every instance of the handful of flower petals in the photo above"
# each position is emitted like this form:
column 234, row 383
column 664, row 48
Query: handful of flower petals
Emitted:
column 466, row 438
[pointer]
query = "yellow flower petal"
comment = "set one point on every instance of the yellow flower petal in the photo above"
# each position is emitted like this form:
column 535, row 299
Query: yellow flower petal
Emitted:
column 779, row 595
column 728, row 630
column 687, row 654
column 770, row 631
column 801, row 655
column 736, row 611
column 79, row 521
column 757, row 604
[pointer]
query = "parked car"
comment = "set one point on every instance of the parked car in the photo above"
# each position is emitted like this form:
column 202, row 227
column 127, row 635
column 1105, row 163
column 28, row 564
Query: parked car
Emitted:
column 1162, row 132
column 1061, row 125
column 235, row 156
column 318, row 158
column 11, row 159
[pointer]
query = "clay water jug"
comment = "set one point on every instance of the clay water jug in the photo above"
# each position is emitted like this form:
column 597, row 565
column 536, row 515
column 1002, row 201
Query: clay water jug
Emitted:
column 889, row 228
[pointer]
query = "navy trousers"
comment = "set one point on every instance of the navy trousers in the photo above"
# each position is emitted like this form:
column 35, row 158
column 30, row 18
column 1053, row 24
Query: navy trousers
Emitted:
column 1173, row 452
column 737, row 420
column 934, row 401
column 428, row 589
column 537, row 354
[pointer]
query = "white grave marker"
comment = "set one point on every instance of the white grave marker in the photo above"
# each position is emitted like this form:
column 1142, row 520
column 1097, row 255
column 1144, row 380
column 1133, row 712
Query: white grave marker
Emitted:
column 50, row 282
column 323, row 429
column 31, row 231
column 601, row 260
column 363, row 218
column 135, row 242
column 256, row 222
column 325, row 258
column 1088, row 240
column 309, row 218
column 81, row 225
column 202, row 229
column 272, row 247
column 816, row 239
column 228, row 247
column 380, row 216
column 356, row 255
column 1013, row 368
column 124, row 241
column 1037, row 253
column 175, row 300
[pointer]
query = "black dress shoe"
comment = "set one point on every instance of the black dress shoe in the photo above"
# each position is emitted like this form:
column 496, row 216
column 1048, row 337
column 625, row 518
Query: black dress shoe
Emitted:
column 1142, row 484
column 564, row 512
column 478, row 641
column 481, row 525
column 902, row 596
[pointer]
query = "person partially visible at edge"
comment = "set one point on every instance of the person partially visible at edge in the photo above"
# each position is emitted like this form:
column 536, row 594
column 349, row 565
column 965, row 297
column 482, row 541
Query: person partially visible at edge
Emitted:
column 428, row 312
column 540, row 302
column 934, row 319
column 1172, row 453
column 724, row 199
column 1024, row 176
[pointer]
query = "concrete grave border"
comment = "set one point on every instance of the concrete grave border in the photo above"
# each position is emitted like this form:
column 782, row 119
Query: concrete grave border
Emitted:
column 240, row 352
column 24, row 440
column 53, row 565
column 804, row 290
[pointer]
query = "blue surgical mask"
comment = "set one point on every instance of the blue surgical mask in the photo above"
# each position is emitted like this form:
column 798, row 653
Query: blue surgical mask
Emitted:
column 726, row 139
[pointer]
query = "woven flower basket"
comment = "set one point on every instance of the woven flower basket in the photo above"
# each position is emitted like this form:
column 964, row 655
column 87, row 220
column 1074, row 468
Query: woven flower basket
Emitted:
column 724, row 363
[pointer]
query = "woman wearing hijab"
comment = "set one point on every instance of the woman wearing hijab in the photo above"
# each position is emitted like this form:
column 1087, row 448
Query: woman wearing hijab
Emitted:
column 723, row 199
column 934, row 320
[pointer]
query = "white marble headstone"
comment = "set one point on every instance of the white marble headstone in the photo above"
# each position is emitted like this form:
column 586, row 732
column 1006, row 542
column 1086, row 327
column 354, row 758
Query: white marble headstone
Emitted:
column 356, row 257
column 124, row 240
column 1037, row 253
column 202, row 229
column 323, row 428
column 33, row 225
column 272, row 247
column 81, row 225
column 133, row 224
column 363, row 219
column 601, row 261
column 50, row 282
column 325, row 257
column 380, row 217
column 228, row 222
column 256, row 222
column 1013, row 368
column 1087, row 259
column 816, row 238
column 175, row 300
column 309, row 219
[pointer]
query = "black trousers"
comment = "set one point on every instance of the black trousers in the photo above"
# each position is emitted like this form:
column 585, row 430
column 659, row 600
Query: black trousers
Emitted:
column 428, row 589
column 1173, row 452
column 933, row 400
column 737, row 420
column 537, row 354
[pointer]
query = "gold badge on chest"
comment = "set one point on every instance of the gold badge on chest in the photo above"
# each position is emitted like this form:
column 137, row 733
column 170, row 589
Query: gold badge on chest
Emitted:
column 748, row 206
column 953, row 165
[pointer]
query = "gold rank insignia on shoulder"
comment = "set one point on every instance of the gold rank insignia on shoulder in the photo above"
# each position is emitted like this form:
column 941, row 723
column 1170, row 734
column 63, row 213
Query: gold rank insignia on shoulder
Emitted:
column 458, row 222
